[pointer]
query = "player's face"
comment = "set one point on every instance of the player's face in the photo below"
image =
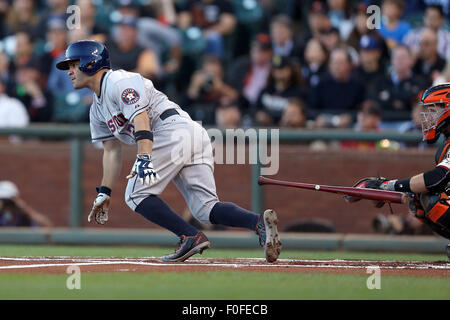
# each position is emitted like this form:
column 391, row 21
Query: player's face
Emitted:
column 78, row 78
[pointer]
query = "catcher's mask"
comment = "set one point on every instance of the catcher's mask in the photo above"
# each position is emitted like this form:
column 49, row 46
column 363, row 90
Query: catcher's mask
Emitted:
column 436, row 114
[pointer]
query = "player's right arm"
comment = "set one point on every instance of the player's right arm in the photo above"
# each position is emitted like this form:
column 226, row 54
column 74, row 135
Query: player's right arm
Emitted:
column 112, row 163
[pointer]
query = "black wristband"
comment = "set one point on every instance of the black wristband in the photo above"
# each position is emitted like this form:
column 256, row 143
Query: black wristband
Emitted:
column 403, row 185
column 105, row 190
column 143, row 134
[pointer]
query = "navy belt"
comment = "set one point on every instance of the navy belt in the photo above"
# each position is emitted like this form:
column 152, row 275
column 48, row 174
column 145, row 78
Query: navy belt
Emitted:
column 168, row 113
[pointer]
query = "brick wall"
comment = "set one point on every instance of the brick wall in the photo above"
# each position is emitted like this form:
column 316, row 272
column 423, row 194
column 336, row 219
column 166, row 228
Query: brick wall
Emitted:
column 42, row 171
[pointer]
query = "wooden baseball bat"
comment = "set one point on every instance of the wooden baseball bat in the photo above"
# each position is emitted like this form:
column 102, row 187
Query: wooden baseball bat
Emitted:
column 370, row 194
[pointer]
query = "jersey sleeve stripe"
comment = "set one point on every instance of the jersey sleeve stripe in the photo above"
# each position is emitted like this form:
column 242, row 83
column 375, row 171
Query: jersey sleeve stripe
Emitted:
column 444, row 165
column 103, row 138
column 138, row 111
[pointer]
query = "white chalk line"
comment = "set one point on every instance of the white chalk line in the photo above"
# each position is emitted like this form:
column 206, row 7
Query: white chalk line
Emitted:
column 204, row 262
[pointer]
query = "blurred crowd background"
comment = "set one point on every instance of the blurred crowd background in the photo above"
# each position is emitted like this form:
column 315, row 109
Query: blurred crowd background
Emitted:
column 232, row 64
column 235, row 63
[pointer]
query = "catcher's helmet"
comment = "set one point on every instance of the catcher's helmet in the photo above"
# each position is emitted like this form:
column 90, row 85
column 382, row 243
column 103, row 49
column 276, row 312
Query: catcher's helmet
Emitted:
column 92, row 55
column 436, row 115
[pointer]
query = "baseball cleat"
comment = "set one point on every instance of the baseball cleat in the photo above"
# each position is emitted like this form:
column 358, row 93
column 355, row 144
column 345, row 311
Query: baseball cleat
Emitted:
column 188, row 247
column 267, row 230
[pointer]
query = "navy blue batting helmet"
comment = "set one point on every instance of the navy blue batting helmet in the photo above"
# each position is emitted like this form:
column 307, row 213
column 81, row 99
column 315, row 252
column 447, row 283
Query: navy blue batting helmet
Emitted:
column 92, row 55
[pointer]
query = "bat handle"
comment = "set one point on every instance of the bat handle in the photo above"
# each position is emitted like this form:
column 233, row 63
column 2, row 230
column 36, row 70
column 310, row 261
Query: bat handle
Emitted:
column 260, row 180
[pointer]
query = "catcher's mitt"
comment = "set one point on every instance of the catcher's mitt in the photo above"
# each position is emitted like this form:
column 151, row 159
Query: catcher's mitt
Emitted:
column 368, row 183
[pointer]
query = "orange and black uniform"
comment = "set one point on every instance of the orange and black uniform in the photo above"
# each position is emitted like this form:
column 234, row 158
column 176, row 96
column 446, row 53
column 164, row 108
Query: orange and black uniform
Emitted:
column 441, row 152
column 436, row 203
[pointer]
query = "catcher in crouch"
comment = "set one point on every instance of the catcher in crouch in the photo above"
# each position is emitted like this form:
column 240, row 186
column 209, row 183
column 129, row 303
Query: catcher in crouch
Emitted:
column 428, row 192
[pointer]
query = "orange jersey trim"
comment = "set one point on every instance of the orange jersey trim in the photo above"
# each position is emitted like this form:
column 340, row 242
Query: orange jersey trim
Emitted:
column 444, row 151
column 438, row 210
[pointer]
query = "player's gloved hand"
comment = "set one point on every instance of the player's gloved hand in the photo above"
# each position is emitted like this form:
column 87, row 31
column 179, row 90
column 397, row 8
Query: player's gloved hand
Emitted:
column 101, row 206
column 370, row 183
column 414, row 205
column 375, row 183
column 378, row 183
column 143, row 168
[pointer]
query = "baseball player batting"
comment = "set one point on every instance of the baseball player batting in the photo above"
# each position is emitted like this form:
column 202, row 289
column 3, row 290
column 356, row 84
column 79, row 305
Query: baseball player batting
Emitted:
column 128, row 109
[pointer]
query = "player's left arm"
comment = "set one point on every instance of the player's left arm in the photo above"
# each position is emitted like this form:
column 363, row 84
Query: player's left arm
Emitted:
column 415, row 184
column 433, row 180
column 143, row 167
column 429, row 181
column 132, row 97
column 141, row 123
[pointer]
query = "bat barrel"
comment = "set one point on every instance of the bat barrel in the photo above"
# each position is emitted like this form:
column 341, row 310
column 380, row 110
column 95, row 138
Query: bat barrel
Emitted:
column 363, row 193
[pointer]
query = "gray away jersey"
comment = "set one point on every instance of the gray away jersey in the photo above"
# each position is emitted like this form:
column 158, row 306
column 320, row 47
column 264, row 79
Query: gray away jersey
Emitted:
column 123, row 95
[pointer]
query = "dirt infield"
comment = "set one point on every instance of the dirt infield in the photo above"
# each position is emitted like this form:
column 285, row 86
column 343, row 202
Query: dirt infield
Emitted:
column 59, row 265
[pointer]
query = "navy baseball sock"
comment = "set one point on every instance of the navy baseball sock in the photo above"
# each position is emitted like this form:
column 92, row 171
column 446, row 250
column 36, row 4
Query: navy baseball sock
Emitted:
column 229, row 214
column 157, row 211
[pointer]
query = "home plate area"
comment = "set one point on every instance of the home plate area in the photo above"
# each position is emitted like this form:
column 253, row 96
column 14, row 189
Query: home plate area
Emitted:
column 58, row 265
